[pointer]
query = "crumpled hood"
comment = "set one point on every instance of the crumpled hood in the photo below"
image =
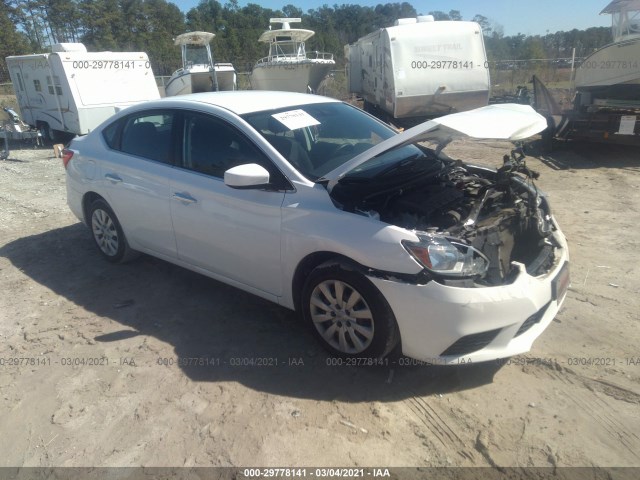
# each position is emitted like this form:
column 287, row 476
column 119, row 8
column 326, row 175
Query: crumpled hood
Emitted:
column 505, row 121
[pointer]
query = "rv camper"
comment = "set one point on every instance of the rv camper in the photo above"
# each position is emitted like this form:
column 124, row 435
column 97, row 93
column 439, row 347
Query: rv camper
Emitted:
column 419, row 69
column 71, row 91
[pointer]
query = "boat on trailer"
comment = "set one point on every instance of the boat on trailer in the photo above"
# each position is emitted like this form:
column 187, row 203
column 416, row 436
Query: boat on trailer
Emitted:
column 199, row 72
column 289, row 67
column 606, row 106
column 617, row 63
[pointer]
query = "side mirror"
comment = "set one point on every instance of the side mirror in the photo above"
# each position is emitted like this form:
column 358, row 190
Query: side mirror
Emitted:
column 250, row 175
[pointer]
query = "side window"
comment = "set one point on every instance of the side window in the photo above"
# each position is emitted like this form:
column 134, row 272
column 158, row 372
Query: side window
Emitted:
column 54, row 85
column 110, row 134
column 146, row 135
column 37, row 86
column 212, row 146
column 56, row 80
column 20, row 84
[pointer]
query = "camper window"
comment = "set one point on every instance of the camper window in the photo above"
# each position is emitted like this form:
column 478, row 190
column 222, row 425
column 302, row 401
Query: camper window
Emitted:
column 50, row 85
column 37, row 86
column 20, row 82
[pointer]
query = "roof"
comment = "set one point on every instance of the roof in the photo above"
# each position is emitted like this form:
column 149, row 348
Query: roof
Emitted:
column 286, row 32
column 296, row 34
column 248, row 101
column 621, row 5
column 194, row 38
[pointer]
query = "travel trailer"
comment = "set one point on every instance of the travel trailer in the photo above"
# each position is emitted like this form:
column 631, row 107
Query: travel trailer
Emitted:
column 71, row 91
column 419, row 69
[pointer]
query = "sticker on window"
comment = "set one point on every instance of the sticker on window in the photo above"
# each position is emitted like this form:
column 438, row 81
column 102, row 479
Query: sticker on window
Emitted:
column 295, row 119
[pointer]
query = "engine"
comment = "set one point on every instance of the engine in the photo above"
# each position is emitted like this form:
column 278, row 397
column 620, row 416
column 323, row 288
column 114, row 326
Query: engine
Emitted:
column 498, row 213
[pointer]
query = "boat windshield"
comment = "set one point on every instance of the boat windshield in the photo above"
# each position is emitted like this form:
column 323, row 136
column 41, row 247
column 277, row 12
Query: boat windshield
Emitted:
column 317, row 138
column 286, row 48
column 195, row 55
column 625, row 23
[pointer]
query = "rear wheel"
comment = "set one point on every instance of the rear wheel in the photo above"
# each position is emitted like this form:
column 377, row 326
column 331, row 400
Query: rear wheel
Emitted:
column 347, row 313
column 107, row 233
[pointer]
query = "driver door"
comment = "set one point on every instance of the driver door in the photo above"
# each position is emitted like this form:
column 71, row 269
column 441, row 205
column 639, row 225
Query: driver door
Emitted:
column 231, row 233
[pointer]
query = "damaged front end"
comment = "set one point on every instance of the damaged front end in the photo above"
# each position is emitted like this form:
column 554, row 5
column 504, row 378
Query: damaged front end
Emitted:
column 474, row 224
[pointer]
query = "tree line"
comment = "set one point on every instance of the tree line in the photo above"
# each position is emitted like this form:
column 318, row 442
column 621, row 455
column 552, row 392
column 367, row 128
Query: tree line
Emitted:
column 31, row 26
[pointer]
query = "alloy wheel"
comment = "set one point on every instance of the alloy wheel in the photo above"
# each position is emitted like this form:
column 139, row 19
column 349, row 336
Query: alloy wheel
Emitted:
column 342, row 316
column 105, row 232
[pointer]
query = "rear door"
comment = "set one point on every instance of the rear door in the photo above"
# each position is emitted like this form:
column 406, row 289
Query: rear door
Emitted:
column 135, row 176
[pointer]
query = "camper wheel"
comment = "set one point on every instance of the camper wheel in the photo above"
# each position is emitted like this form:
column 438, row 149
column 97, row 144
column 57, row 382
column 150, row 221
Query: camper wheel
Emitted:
column 47, row 132
column 50, row 135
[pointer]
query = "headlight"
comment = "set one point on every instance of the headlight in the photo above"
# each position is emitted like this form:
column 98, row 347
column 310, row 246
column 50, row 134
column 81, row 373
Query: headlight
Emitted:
column 447, row 257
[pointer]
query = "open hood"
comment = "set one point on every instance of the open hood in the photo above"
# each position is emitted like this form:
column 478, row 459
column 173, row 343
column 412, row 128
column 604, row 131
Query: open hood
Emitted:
column 505, row 121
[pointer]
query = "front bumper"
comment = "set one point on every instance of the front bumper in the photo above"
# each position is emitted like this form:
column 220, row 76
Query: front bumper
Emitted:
column 447, row 325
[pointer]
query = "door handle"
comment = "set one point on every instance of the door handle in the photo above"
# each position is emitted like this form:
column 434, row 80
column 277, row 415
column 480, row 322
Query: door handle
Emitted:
column 113, row 177
column 184, row 197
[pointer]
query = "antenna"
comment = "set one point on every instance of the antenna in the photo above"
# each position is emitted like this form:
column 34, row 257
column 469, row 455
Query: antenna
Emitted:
column 285, row 22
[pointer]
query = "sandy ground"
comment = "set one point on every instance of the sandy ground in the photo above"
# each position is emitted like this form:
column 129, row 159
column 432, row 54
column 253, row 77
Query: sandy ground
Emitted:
column 89, row 372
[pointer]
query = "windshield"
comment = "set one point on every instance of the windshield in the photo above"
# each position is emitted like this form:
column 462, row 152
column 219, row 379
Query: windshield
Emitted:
column 279, row 48
column 320, row 137
column 195, row 55
column 407, row 161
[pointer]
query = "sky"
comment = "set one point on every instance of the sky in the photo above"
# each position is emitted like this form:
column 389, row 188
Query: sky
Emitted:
column 516, row 16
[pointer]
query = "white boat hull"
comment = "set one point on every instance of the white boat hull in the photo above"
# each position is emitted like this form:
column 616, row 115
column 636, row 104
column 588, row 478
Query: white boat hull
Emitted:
column 296, row 76
column 184, row 82
column 614, row 64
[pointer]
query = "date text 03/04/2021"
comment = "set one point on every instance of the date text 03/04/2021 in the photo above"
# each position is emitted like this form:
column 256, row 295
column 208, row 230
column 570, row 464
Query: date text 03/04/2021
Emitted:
column 314, row 472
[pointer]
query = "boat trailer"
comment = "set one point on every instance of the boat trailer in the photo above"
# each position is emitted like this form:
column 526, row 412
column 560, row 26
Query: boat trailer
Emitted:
column 13, row 128
column 596, row 116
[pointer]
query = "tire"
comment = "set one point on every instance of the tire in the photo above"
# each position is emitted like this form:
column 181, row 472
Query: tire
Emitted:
column 347, row 313
column 43, row 132
column 51, row 136
column 107, row 233
column 48, row 134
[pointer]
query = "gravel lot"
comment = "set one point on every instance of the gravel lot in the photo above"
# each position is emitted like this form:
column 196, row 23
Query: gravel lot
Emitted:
column 89, row 370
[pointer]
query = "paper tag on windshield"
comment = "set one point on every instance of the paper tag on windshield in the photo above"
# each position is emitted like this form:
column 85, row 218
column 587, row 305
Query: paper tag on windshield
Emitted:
column 294, row 119
column 627, row 125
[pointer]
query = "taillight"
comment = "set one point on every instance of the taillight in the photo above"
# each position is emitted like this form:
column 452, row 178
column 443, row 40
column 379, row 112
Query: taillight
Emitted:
column 67, row 155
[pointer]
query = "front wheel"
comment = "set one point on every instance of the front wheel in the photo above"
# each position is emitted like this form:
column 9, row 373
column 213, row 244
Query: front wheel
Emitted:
column 107, row 233
column 347, row 313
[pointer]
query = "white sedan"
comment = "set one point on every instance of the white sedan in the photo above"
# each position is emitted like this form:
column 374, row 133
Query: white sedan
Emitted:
column 375, row 239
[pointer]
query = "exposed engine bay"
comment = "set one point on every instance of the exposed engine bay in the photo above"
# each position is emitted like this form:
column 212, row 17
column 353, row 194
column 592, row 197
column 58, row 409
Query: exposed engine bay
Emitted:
column 499, row 213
